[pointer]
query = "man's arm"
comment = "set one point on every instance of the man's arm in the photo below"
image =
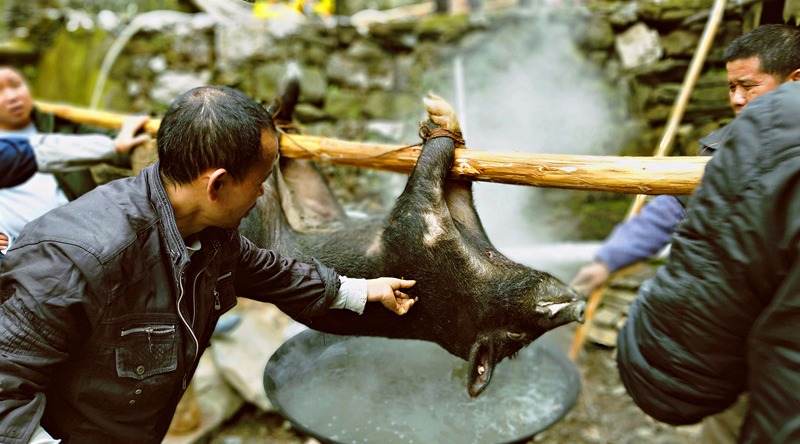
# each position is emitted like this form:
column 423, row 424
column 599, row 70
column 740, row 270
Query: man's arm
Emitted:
column 305, row 291
column 17, row 161
column 634, row 240
column 21, row 157
column 355, row 293
column 643, row 235
column 59, row 153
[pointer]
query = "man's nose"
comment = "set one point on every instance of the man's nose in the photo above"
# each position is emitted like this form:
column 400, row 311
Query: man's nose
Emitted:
column 738, row 97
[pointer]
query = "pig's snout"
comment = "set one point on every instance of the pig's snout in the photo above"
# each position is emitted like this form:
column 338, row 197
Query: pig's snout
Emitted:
column 566, row 311
column 578, row 311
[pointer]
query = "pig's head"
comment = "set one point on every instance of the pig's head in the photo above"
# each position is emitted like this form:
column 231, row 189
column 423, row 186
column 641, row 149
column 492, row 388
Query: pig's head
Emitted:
column 523, row 309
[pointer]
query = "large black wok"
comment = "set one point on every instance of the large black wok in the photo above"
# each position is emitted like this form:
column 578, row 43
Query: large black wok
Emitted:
column 345, row 389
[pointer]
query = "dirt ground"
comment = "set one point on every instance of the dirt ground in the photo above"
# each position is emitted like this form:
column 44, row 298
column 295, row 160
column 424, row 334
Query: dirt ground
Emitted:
column 603, row 413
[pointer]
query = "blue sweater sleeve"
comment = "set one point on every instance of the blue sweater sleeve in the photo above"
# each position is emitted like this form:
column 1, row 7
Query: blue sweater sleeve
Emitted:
column 17, row 161
column 644, row 235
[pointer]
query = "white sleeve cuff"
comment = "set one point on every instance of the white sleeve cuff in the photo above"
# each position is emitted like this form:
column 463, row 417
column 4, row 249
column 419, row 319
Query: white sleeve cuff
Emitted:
column 40, row 436
column 58, row 153
column 352, row 294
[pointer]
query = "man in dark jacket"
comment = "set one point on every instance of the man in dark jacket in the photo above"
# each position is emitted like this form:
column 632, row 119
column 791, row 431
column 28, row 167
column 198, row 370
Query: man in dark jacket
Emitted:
column 721, row 315
column 109, row 301
column 17, row 161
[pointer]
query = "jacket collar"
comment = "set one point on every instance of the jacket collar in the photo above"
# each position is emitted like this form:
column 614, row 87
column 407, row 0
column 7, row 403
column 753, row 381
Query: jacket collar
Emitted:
column 212, row 237
column 163, row 207
column 712, row 142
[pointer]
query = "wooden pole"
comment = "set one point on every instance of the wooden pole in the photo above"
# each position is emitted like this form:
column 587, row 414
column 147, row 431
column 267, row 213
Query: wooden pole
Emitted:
column 588, row 315
column 621, row 174
column 103, row 119
column 664, row 147
column 689, row 82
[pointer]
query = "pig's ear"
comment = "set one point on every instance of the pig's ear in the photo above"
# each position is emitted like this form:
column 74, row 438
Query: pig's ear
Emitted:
column 282, row 106
column 481, row 365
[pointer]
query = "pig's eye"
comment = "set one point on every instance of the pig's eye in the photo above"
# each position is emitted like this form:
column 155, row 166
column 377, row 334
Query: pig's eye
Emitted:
column 515, row 336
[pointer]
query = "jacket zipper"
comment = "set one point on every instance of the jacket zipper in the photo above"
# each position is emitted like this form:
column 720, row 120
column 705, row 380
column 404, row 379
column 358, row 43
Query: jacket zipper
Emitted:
column 151, row 330
column 194, row 305
column 185, row 322
column 194, row 288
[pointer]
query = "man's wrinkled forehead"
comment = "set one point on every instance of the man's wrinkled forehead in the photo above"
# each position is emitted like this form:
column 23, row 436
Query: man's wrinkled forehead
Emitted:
column 747, row 72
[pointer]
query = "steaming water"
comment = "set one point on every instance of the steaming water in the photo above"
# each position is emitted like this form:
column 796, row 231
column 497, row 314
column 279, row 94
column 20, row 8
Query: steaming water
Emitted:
column 405, row 391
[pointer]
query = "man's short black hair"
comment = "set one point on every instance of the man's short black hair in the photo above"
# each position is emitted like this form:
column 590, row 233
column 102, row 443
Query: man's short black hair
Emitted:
column 211, row 127
column 777, row 47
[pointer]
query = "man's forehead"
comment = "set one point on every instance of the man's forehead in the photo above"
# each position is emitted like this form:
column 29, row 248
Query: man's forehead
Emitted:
column 7, row 71
column 744, row 69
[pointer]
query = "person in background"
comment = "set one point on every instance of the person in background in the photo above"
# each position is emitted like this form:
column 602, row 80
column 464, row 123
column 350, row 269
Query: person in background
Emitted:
column 756, row 62
column 17, row 161
column 720, row 318
column 21, row 158
column 109, row 301
column 69, row 155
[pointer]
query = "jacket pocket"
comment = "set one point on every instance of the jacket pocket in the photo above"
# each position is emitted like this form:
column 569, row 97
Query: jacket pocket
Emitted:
column 147, row 350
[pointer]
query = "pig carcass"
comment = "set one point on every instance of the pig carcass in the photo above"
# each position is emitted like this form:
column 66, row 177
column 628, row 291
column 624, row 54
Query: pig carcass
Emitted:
column 473, row 301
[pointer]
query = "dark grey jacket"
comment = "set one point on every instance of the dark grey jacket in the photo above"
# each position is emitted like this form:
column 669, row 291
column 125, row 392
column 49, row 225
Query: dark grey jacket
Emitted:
column 104, row 316
column 722, row 315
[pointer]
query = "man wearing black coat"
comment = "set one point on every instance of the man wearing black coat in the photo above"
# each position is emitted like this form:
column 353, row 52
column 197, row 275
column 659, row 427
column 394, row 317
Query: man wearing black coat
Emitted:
column 722, row 315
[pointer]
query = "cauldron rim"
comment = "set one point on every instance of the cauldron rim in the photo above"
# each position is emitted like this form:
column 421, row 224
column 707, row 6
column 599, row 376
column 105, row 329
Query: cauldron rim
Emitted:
column 321, row 341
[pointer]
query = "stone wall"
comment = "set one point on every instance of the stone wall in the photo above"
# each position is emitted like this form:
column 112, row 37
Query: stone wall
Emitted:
column 363, row 75
column 354, row 72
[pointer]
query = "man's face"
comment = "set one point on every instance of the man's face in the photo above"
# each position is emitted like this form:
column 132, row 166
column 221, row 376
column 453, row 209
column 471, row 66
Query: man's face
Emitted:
column 237, row 199
column 746, row 81
column 16, row 102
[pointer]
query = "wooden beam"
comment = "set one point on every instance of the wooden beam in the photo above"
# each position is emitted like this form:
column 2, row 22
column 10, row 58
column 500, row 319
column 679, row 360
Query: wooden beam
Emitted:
column 620, row 174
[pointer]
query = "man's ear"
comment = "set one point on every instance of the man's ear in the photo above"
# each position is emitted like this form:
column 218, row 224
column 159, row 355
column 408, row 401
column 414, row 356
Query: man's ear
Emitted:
column 216, row 182
column 794, row 76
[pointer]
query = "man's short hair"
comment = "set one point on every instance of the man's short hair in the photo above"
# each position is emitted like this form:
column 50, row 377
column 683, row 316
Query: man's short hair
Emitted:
column 777, row 47
column 211, row 127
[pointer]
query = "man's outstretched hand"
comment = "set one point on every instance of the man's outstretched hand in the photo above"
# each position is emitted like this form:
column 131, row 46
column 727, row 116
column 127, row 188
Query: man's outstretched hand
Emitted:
column 128, row 136
column 386, row 290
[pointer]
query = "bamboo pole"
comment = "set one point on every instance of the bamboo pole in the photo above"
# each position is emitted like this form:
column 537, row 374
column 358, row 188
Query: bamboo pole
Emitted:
column 664, row 147
column 621, row 174
column 689, row 82
column 102, row 119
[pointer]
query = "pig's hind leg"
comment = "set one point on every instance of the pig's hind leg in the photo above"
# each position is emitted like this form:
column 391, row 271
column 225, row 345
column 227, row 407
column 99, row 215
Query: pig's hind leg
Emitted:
column 458, row 193
column 420, row 218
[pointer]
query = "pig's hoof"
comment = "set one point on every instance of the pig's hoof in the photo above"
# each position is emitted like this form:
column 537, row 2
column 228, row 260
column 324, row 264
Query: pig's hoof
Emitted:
column 441, row 113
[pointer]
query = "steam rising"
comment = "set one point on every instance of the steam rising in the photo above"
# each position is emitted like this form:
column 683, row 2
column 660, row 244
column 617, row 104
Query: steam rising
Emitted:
column 526, row 87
